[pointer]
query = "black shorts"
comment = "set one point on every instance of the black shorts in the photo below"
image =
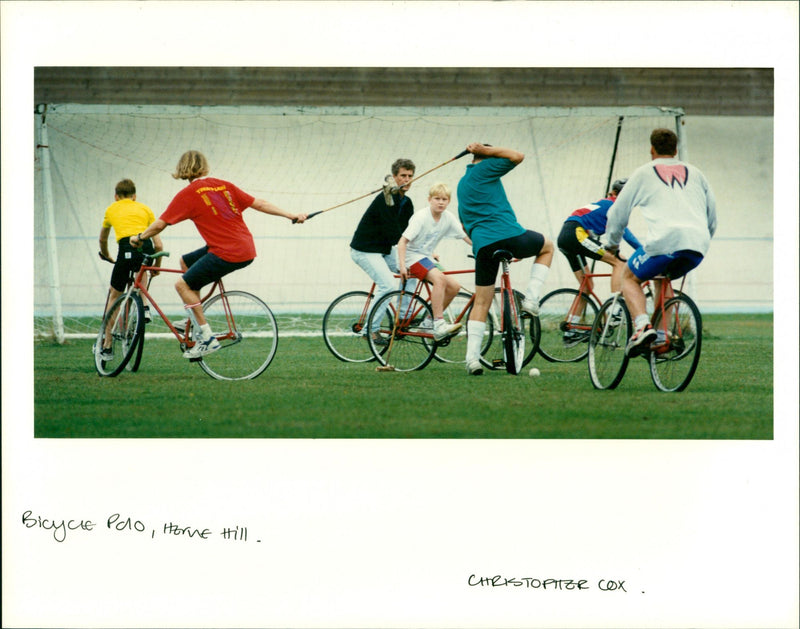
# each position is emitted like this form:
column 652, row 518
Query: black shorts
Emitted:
column 577, row 245
column 526, row 245
column 205, row 267
column 128, row 262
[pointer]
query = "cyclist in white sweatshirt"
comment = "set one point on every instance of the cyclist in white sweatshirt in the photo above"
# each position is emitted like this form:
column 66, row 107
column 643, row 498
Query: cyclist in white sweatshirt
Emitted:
column 679, row 208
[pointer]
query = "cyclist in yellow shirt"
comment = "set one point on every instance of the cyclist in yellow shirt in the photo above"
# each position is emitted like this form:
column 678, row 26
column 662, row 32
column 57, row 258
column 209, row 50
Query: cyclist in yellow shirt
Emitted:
column 127, row 217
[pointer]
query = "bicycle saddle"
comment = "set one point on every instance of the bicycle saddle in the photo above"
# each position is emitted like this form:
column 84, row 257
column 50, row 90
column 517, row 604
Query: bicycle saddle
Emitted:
column 503, row 254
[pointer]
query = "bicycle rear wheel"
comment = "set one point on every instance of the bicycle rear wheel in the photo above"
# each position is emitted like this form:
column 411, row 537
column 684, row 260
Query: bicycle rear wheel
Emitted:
column 246, row 330
column 564, row 337
column 607, row 340
column 412, row 347
column 674, row 361
column 513, row 334
column 344, row 327
column 120, row 333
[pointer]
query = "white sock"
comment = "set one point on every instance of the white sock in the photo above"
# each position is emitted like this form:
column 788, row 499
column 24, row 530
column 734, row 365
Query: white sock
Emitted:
column 475, row 331
column 205, row 331
column 641, row 321
column 536, row 281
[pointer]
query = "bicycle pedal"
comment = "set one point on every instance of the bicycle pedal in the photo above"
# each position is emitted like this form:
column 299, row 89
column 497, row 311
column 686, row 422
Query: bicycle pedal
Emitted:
column 498, row 363
column 196, row 360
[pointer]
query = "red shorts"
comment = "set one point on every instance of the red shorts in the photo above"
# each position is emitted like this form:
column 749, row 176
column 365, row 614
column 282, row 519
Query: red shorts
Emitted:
column 420, row 268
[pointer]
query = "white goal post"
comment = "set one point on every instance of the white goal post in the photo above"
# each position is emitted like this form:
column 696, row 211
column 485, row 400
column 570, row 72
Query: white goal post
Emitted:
column 303, row 159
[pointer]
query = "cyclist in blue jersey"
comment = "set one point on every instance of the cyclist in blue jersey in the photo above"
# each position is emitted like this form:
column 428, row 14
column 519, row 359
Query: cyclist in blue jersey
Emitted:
column 490, row 222
column 580, row 239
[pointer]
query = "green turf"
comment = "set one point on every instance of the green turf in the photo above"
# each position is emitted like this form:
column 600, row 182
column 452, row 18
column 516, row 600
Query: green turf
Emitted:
column 307, row 393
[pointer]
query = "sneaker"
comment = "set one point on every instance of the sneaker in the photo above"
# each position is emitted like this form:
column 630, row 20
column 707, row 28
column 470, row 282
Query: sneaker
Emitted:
column 180, row 326
column 107, row 353
column 474, row 367
column 640, row 340
column 443, row 330
column 380, row 341
column 201, row 348
column 615, row 320
column 147, row 318
column 571, row 337
column 531, row 306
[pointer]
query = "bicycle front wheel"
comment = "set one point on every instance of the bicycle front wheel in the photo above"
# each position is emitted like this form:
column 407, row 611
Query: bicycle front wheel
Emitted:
column 246, row 330
column 513, row 334
column 566, row 317
column 344, row 327
column 402, row 332
column 607, row 340
column 674, row 358
column 494, row 355
column 120, row 333
column 454, row 349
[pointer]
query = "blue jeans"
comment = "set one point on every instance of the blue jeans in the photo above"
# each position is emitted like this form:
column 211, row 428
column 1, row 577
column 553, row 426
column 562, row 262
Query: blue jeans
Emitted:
column 381, row 269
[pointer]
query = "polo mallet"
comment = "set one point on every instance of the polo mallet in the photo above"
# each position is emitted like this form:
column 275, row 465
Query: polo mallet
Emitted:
column 387, row 191
column 395, row 324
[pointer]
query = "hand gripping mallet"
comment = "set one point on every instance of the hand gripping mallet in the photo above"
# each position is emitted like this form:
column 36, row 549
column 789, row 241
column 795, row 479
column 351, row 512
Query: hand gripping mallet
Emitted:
column 386, row 190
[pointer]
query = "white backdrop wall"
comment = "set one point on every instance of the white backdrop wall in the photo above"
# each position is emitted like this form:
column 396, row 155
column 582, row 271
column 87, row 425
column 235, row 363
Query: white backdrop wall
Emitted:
column 308, row 160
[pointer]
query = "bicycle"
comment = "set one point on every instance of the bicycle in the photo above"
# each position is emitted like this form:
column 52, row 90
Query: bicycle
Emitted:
column 565, row 318
column 239, row 319
column 406, row 324
column 673, row 356
column 344, row 324
column 406, row 328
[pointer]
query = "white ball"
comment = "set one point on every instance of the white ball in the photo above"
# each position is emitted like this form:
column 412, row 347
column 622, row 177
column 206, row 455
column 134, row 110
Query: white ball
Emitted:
column 534, row 372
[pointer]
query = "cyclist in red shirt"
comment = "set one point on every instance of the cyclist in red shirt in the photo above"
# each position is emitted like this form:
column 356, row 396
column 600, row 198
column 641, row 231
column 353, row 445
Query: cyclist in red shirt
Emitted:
column 215, row 207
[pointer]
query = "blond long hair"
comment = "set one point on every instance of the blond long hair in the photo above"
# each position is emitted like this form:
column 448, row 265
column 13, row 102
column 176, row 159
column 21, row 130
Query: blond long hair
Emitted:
column 191, row 165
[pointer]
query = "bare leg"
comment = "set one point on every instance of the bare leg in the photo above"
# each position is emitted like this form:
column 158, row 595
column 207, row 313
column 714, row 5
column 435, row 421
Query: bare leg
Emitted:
column 191, row 298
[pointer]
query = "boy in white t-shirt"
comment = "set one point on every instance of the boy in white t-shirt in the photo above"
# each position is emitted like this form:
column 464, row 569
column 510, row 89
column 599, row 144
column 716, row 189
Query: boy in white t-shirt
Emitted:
column 415, row 254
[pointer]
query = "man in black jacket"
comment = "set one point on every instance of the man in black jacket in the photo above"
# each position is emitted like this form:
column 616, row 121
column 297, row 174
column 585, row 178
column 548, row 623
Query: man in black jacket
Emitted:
column 374, row 243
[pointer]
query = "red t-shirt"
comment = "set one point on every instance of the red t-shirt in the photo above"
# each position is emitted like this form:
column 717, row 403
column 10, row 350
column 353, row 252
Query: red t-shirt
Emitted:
column 215, row 206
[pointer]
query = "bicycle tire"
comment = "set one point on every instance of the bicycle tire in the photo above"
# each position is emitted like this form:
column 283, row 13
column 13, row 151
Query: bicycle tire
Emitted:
column 673, row 363
column 412, row 347
column 454, row 349
column 513, row 335
column 344, row 325
column 562, row 341
column 136, row 358
column 607, row 358
column 247, row 331
column 494, row 356
column 123, row 327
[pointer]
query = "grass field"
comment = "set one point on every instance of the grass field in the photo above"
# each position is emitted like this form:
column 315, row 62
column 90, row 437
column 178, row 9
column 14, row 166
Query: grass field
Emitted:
column 307, row 393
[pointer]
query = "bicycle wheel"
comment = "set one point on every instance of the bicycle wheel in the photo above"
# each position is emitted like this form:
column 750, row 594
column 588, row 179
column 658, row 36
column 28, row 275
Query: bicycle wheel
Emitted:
column 412, row 346
column 513, row 335
column 494, row 356
column 120, row 333
column 674, row 361
column 607, row 340
column 247, row 331
column 565, row 338
column 136, row 357
column 454, row 349
column 344, row 327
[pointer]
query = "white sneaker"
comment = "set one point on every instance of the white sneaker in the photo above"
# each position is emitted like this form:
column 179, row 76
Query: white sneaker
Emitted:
column 147, row 318
column 201, row 348
column 443, row 330
column 474, row 367
column 531, row 306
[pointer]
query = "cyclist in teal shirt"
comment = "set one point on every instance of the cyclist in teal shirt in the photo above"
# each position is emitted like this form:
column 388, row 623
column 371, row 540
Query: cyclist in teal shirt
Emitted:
column 491, row 224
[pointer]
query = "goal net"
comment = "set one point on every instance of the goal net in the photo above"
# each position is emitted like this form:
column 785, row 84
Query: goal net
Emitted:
column 303, row 160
